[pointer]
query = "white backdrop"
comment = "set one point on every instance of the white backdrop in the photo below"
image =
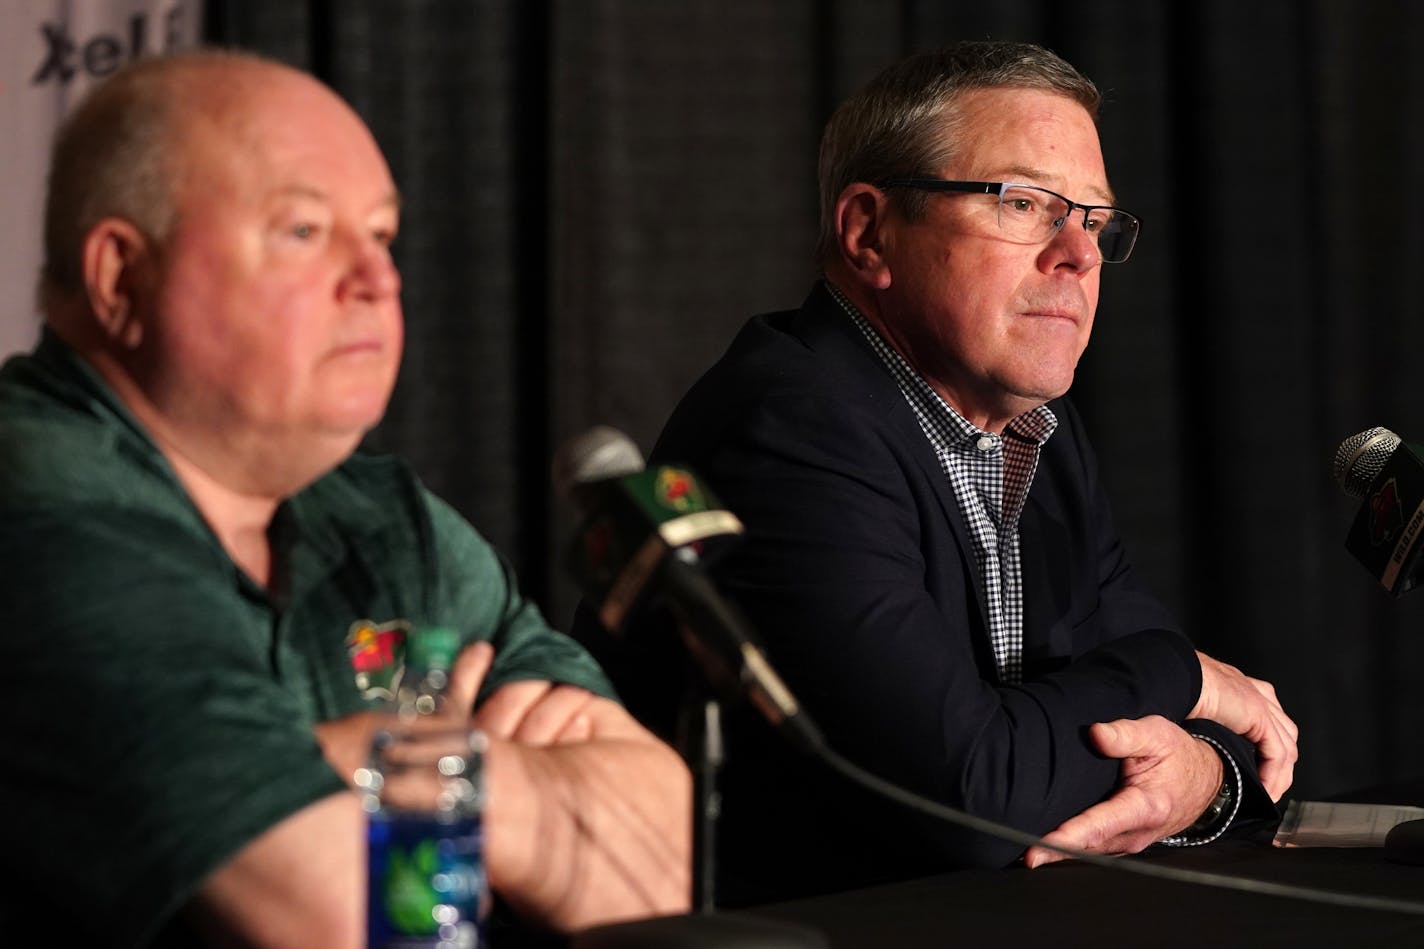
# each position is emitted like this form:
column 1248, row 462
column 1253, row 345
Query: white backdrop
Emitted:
column 50, row 53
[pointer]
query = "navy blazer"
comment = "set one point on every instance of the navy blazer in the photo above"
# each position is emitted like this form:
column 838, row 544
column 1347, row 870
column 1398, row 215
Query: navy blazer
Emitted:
column 858, row 572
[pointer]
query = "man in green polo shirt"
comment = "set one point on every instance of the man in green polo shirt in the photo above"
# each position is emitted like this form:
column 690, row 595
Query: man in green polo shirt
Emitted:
column 197, row 569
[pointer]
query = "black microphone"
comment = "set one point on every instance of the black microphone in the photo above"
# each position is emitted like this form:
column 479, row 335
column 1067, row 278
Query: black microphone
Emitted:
column 647, row 530
column 1388, row 475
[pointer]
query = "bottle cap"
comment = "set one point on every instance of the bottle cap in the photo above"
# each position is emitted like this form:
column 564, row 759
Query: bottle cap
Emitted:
column 432, row 647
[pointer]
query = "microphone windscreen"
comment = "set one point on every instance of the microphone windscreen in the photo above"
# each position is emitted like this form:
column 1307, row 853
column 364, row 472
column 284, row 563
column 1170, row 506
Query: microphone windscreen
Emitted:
column 598, row 454
column 1361, row 457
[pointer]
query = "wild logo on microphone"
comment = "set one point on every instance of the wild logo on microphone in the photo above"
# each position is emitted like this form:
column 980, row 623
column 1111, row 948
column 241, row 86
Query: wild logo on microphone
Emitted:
column 1386, row 515
column 677, row 490
column 1388, row 475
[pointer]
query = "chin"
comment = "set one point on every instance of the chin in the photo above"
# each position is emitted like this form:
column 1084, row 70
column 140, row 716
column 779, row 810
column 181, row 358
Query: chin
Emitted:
column 336, row 445
column 1047, row 381
column 356, row 412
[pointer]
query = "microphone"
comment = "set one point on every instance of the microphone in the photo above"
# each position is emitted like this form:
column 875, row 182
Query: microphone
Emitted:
column 634, row 517
column 650, row 529
column 1388, row 475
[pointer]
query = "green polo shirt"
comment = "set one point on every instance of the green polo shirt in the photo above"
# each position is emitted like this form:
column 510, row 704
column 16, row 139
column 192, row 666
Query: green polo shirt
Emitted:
column 161, row 704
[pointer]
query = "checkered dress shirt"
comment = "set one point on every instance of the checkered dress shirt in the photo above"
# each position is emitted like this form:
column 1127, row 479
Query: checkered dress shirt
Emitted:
column 990, row 476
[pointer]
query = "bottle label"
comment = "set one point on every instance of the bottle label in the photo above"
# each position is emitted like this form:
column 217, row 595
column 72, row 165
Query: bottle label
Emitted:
column 427, row 883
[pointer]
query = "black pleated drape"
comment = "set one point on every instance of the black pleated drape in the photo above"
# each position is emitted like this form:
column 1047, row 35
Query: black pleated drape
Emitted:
column 599, row 192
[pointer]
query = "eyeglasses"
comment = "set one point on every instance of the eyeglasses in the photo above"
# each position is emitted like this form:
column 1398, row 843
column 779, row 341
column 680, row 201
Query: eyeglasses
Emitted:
column 1031, row 215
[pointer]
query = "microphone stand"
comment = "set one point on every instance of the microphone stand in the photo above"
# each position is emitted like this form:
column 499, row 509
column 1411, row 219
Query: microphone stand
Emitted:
column 703, row 719
column 699, row 732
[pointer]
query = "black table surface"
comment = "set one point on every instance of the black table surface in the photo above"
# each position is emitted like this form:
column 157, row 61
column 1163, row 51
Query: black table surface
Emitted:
column 1078, row 904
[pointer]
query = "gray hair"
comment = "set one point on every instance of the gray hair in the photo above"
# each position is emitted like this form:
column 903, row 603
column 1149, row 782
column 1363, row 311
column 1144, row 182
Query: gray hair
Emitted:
column 904, row 123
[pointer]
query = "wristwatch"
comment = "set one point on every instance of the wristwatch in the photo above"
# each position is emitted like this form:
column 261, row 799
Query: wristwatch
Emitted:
column 1220, row 812
column 1219, row 805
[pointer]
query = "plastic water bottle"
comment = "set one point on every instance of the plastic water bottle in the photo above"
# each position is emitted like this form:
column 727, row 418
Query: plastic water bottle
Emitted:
column 427, row 885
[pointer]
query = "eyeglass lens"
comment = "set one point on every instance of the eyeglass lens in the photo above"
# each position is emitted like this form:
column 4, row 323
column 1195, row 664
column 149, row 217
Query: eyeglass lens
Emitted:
column 1033, row 215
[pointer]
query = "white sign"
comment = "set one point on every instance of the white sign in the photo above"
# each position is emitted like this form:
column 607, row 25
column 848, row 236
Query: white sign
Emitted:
column 51, row 51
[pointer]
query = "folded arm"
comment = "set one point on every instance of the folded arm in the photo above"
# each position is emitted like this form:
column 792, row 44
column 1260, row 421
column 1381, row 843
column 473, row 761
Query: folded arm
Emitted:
column 301, row 876
column 868, row 602
column 587, row 820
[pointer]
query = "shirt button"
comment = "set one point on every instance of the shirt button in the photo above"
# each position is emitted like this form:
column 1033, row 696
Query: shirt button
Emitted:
column 985, row 443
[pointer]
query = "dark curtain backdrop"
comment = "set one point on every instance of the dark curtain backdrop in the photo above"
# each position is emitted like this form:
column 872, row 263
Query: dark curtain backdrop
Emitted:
column 598, row 193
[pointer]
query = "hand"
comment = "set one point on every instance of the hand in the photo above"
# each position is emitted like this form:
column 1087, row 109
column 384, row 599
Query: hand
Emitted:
column 537, row 713
column 588, row 816
column 533, row 713
column 466, row 676
column 346, row 742
column 1250, row 708
column 1168, row 779
column 579, row 833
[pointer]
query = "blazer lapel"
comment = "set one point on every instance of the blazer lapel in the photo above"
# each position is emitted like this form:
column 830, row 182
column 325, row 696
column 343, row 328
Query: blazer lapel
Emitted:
column 824, row 327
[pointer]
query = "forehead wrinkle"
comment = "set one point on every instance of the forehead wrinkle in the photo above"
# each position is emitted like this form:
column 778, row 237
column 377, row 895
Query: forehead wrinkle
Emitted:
column 301, row 191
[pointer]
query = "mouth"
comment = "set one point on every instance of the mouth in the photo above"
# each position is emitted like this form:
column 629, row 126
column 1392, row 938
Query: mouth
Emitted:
column 367, row 347
column 1070, row 316
column 370, row 334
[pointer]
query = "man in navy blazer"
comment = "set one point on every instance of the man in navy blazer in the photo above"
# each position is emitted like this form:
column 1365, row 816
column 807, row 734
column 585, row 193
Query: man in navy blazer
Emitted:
column 930, row 557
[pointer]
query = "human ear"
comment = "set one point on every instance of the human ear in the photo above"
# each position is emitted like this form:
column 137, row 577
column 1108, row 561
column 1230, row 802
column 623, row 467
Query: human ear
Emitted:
column 862, row 213
column 113, row 252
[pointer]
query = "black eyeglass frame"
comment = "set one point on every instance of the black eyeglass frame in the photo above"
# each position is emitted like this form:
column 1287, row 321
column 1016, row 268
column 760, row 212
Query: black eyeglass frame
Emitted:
column 999, row 187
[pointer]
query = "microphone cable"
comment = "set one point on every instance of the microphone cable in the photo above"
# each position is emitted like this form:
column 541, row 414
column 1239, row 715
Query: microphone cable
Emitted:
column 1129, row 864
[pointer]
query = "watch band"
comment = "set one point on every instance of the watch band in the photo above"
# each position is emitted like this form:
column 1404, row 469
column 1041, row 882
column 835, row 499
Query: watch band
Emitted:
column 1220, row 812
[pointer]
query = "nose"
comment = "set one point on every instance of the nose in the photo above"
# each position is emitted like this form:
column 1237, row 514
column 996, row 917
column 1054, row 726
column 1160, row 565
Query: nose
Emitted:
column 1072, row 247
column 372, row 275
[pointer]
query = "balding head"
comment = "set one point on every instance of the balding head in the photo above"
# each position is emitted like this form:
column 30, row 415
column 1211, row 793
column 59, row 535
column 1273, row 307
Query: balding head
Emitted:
column 123, row 152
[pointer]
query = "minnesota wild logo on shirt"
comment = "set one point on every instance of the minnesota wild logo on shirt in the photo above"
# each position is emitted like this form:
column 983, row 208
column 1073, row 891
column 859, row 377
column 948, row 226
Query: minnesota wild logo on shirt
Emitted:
column 377, row 652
